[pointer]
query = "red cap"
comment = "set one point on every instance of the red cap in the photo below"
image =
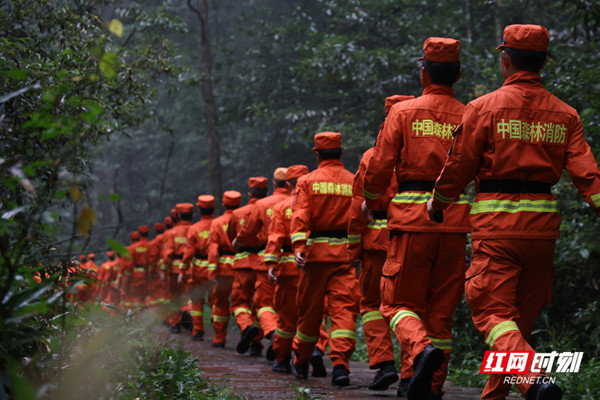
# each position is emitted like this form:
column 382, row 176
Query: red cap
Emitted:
column 134, row 235
column 206, row 201
column 82, row 257
column 168, row 221
column 328, row 140
column 295, row 171
column 91, row 255
column 232, row 198
column 279, row 174
column 436, row 49
column 397, row 98
column 257, row 182
column 110, row 253
column 525, row 37
column 184, row 208
column 159, row 226
column 143, row 229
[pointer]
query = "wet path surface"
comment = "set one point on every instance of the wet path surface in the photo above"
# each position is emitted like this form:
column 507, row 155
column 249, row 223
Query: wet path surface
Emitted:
column 252, row 378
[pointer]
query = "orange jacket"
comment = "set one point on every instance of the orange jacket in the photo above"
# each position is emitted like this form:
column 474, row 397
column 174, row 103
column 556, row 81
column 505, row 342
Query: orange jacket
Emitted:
column 371, row 235
column 321, row 210
column 195, row 253
column 256, row 229
column 137, row 267
column 174, row 244
column 278, row 252
column 523, row 134
column 236, row 224
column 414, row 141
column 156, row 247
column 220, row 253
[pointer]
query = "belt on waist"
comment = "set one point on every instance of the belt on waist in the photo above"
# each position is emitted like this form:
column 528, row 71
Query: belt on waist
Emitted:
column 252, row 249
column 420, row 186
column 287, row 249
column 514, row 186
column 177, row 256
column 331, row 234
column 201, row 257
column 378, row 214
column 226, row 253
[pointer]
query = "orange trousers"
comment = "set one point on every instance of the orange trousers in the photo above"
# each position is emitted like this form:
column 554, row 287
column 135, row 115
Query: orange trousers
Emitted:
column 337, row 285
column 242, row 292
column 508, row 284
column 220, row 307
column 264, row 293
column 197, row 291
column 422, row 283
column 176, row 290
column 375, row 328
column 286, row 292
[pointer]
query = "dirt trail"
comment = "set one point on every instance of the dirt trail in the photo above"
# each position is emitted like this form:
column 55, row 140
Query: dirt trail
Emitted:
column 252, row 377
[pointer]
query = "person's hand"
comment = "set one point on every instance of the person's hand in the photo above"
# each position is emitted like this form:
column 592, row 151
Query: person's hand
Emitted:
column 300, row 261
column 434, row 215
column 180, row 278
column 162, row 275
column 234, row 245
column 366, row 212
column 356, row 264
column 272, row 274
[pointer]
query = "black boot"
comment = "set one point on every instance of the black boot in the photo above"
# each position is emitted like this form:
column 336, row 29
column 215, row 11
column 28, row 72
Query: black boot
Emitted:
column 386, row 375
column 300, row 371
column 544, row 391
column 340, row 376
column 176, row 328
column 316, row 360
column 198, row 336
column 247, row 336
column 426, row 363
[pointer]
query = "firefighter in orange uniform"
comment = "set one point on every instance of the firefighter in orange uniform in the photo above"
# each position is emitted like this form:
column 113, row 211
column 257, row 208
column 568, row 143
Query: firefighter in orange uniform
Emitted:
column 220, row 264
column 125, row 273
column 174, row 244
column 282, row 270
column 157, row 286
column 515, row 142
column 367, row 246
column 113, row 295
column 139, row 265
column 196, row 256
column 422, row 279
column 255, row 232
column 246, row 260
column 105, row 276
column 319, row 238
column 93, row 274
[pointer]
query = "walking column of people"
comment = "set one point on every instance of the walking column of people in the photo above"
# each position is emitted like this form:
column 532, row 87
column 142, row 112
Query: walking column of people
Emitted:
column 298, row 266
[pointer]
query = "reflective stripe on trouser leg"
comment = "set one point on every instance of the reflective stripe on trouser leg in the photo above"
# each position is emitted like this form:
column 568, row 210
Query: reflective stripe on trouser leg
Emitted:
column 342, row 299
column 264, row 293
column 220, row 308
column 241, row 297
column 285, row 294
column 377, row 338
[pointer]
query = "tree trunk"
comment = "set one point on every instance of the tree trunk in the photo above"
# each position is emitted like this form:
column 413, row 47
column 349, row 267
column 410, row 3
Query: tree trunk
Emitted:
column 209, row 108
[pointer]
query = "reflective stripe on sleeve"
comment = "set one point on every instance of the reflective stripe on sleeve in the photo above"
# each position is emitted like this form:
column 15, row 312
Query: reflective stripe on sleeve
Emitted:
column 443, row 199
column 269, row 257
column 499, row 330
column 371, row 196
column 298, row 236
column 329, row 240
column 196, row 313
column 220, row 318
column 377, row 224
